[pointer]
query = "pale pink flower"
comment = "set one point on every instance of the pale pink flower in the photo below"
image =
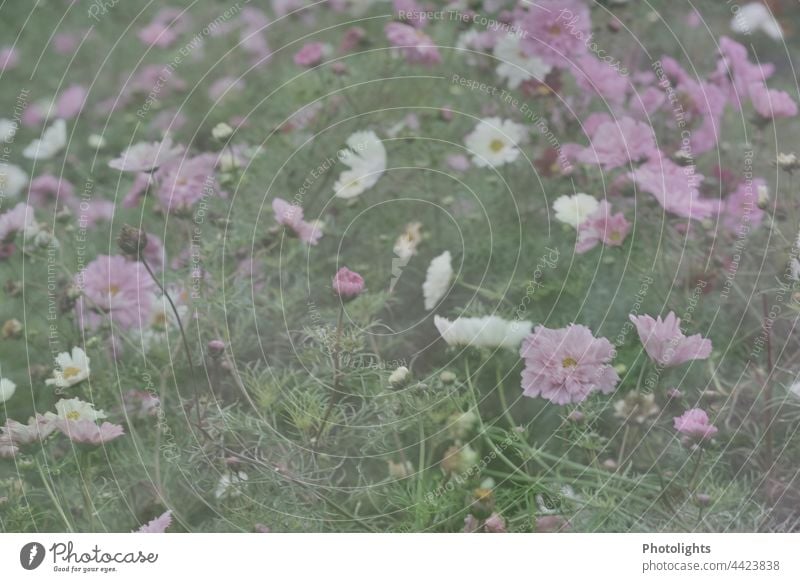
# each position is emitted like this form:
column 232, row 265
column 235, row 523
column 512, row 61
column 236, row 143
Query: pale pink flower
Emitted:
column 157, row 525
column 117, row 288
column 347, row 284
column 415, row 45
column 666, row 344
column 694, row 423
column 618, row 143
column 566, row 365
column 16, row 435
column 554, row 30
column 352, row 37
column 65, row 43
column 772, row 104
column 291, row 216
column 675, row 188
column 310, row 55
column 87, row 432
column 47, row 188
column 146, row 157
column 184, row 182
column 740, row 211
column 598, row 77
column 225, row 87
column 458, row 162
column 602, row 226
column 9, row 58
column 71, row 101
column 19, row 219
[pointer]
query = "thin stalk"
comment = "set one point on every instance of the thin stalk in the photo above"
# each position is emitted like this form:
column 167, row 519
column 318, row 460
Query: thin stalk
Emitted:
column 336, row 375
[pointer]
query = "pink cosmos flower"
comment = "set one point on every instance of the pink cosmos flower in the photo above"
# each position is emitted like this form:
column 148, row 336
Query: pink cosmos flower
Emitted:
column 18, row 219
column 310, row 55
column 117, row 288
column 65, row 43
column 347, row 284
column 184, row 182
column 771, row 104
column 458, row 162
column 47, row 189
column 555, row 30
column 602, row 226
column 618, row 143
column 599, row 78
column 415, row 45
column 145, row 156
column 9, row 58
column 137, row 190
column 225, row 87
column 735, row 73
column 157, row 525
column 694, row 424
column 666, row 344
column 86, row 432
column 71, row 101
column 15, row 434
column 740, row 211
column 675, row 188
column 566, row 365
column 291, row 216
column 492, row 524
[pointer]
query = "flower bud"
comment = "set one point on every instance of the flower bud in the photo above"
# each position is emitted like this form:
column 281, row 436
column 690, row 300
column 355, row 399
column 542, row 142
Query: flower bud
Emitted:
column 132, row 241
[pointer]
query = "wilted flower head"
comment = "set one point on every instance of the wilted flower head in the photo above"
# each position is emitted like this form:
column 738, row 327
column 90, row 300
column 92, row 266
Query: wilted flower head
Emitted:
column 666, row 344
column 347, row 284
column 490, row 331
column 694, row 423
column 566, row 365
column 132, row 241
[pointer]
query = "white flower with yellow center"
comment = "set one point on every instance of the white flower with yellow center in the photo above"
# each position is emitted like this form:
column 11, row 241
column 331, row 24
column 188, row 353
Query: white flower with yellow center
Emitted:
column 574, row 210
column 71, row 369
column 76, row 410
column 494, row 142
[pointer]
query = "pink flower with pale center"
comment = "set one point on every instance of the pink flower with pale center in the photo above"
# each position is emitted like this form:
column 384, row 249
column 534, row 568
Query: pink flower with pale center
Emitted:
column 184, row 182
column 347, row 284
column 675, row 188
column 416, row 46
column 554, row 30
column 117, row 288
column 48, row 188
column 602, row 226
column 86, row 432
column 694, row 423
column 566, row 365
column 617, row 143
column 666, row 344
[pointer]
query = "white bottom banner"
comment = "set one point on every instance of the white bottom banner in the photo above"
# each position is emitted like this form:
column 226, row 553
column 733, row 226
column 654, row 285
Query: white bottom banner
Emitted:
column 355, row 557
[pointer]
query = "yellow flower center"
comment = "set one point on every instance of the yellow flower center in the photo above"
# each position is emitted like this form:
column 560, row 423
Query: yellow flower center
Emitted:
column 554, row 30
column 113, row 289
column 70, row 372
column 569, row 362
column 615, row 236
column 496, row 145
column 73, row 415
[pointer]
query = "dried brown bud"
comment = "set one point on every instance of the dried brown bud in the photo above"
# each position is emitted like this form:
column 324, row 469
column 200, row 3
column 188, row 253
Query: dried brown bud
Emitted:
column 132, row 241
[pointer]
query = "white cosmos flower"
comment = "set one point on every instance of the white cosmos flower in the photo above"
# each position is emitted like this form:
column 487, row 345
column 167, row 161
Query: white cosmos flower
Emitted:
column 755, row 16
column 75, row 409
column 228, row 485
column 8, row 129
column 12, row 180
column 515, row 66
column 483, row 332
column 7, row 389
column 494, row 142
column 53, row 140
column 146, row 157
column 574, row 210
column 72, row 369
column 366, row 158
column 437, row 280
